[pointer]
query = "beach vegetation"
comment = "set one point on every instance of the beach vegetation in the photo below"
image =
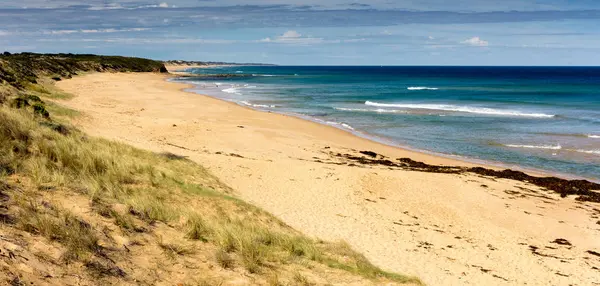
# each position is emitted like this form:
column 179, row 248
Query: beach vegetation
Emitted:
column 301, row 279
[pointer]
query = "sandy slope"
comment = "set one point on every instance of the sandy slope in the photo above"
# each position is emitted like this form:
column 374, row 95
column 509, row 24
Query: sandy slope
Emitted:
column 446, row 229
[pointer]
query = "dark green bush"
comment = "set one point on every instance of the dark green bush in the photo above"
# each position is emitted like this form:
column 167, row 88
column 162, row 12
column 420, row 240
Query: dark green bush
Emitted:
column 20, row 102
column 34, row 98
column 40, row 109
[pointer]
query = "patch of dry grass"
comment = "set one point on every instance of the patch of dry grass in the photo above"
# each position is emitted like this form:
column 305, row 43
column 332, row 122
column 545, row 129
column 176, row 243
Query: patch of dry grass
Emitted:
column 224, row 259
column 173, row 249
column 301, row 279
column 79, row 238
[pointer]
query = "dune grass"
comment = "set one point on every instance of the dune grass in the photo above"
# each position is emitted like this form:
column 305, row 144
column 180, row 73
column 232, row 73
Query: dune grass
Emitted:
column 76, row 235
column 137, row 189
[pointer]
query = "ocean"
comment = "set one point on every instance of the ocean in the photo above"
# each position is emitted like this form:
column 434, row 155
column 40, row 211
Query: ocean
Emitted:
column 541, row 118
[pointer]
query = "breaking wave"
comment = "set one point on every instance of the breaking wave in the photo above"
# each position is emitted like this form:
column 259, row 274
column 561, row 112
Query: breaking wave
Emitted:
column 548, row 147
column 595, row 152
column 333, row 123
column 458, row 108
column 231, row 90
column 421, row 88
column 257, row 105
column 379, row 110
column 266, row 75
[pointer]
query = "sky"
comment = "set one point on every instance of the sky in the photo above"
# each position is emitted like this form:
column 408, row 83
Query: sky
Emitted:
column 312, row 32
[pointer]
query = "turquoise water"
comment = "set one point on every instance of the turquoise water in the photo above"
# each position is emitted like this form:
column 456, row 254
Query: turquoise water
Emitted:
column 545, row 118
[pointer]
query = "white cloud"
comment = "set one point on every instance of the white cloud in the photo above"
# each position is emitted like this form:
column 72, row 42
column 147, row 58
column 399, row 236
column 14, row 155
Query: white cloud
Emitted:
column 431, row 38
column 114, row 30
column 111, row 6
column 475, row 41
column 293, row 37
column 4, row 33
column 354, row 40
column 98, row 31
column 142, row 40
column 61, row 32
column 93, row 31
column 115, row 6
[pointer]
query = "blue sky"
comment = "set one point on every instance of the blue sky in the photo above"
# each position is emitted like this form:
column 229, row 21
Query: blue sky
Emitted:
column 312, row 32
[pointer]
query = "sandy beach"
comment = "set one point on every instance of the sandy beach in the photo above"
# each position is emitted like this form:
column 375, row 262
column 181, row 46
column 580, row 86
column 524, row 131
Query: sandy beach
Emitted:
column 447, row 229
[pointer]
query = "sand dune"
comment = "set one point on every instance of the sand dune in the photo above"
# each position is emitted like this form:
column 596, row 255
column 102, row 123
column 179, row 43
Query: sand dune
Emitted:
column 447, row 229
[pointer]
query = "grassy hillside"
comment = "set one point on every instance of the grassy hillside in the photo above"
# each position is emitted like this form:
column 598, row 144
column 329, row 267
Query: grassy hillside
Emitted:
column 22, row 70
column 81, row 210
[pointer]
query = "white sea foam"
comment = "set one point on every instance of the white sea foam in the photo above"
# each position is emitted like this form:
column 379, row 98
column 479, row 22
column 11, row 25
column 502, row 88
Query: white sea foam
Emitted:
column 257, row 105
column 267, row 75
column 351, row 109
column 347, row 126
column 231, row 90
column 595, row 152
column 593, row 136
column 344, row 125
column 548, row 147
column 458, row 108
column 421, row 88
column 239, row 72
column 379, row 110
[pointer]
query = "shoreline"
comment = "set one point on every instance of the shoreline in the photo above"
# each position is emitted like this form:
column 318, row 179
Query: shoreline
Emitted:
column 496, row 165
column 442, row 227
column 186, row 87
column 344, row 130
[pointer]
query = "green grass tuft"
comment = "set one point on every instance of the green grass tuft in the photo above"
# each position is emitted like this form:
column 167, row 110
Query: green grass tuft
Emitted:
column 198, row 229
